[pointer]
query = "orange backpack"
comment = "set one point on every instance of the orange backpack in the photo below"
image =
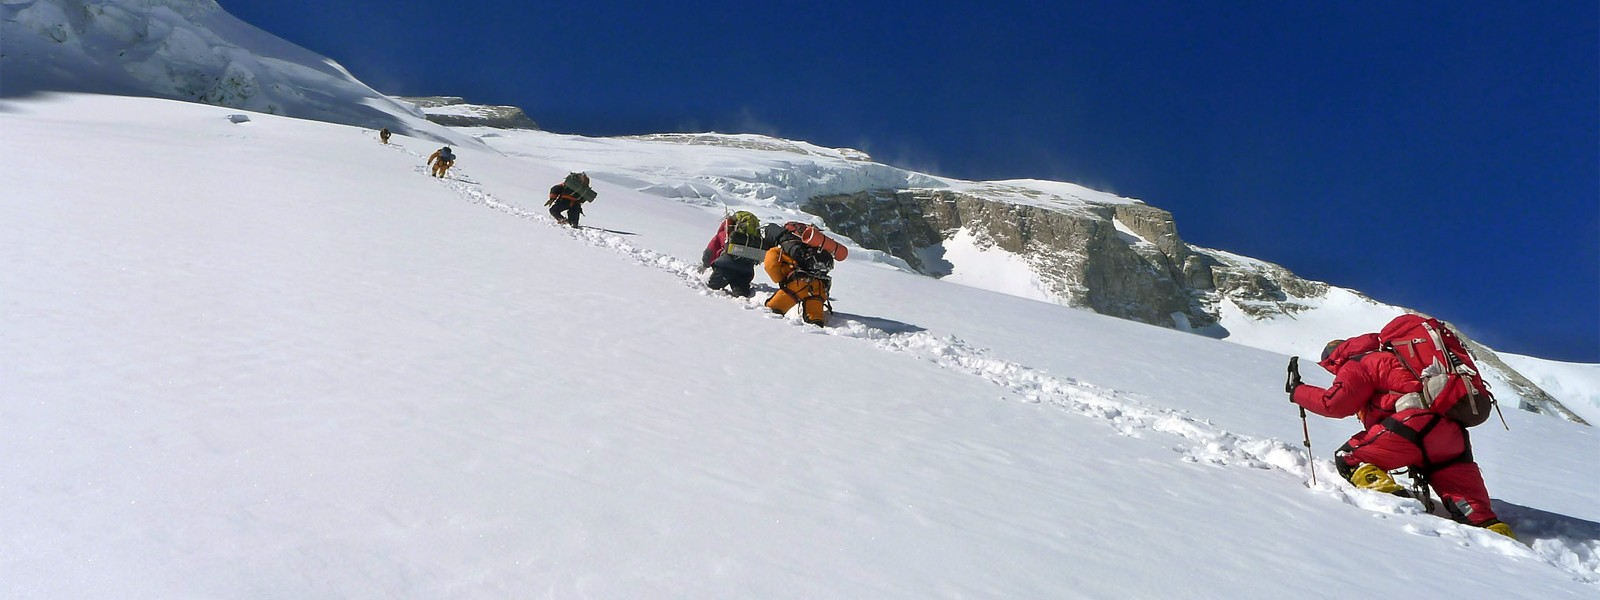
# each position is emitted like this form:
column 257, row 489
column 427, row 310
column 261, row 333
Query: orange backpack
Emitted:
column 814, row 237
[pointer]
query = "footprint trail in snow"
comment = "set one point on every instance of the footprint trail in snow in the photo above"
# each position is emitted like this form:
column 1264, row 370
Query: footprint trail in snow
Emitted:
column 1572, row 545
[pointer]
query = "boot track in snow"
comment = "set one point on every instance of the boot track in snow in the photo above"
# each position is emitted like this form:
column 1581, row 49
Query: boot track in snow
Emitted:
column 1569, row 544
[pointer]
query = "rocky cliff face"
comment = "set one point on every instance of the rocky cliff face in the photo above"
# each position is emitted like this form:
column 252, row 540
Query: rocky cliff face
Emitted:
column 1123, row 260
column 454, row 111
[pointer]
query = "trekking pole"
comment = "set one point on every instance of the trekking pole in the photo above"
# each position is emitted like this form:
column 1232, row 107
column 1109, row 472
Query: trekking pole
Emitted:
column 1305, row 429
column 1305, row 426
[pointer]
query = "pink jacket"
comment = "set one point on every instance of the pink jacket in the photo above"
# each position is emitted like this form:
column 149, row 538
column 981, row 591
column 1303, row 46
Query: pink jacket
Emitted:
column 719, row 243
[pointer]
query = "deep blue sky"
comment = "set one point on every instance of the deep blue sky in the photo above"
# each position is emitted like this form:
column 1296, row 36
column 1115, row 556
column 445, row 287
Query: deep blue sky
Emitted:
column 1438, row 155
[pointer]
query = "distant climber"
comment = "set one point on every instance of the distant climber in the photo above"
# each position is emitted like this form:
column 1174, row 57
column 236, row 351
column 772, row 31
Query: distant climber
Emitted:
column 798, row 259
column 567, row 198
column 733, row 253
column 383, row 135
column 1373, row 381
column 441, row 159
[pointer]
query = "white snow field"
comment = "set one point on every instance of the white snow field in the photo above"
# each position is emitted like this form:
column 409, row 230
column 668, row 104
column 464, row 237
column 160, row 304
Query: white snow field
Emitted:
column 274, row 359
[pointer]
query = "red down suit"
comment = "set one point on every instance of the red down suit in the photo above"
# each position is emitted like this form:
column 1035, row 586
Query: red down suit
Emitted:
column 1367, row 381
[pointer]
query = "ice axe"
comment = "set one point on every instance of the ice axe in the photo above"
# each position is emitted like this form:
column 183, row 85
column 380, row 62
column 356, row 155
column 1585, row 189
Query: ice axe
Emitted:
column 1305, row 427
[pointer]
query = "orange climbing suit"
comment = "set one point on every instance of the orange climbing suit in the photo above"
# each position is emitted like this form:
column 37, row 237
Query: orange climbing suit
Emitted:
column 440, row 166
column 809, row 292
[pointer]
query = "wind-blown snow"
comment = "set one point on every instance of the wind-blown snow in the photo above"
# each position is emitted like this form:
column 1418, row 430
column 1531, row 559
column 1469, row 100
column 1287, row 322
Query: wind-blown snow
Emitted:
column 274, row 359
column 1060, row 191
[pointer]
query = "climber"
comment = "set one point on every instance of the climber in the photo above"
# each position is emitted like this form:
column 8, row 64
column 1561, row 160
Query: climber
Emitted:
column 383, row 135
column 733, row 253
column 798, row 259
column 1370, row 378
column 441, row 159
column 567, row 198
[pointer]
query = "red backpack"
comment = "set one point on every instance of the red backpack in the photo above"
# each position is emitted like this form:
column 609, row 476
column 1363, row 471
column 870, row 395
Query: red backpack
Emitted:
column 1451, row 383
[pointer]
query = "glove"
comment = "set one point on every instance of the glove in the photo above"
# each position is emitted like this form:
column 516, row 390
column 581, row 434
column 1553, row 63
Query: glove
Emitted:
column 1294, row 377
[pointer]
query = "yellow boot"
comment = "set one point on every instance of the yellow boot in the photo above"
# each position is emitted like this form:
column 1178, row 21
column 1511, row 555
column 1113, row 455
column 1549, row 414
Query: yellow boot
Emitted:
column 1501, row 528
column 1372, row 478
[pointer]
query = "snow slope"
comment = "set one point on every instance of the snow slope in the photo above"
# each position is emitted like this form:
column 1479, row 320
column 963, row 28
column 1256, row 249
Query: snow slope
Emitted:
column 274, row 359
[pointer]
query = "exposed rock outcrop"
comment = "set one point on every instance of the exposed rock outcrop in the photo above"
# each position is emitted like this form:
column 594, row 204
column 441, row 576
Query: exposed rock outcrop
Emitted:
column 1124, row 260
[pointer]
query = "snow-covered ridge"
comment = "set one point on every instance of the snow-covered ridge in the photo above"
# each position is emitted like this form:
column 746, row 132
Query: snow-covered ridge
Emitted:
column 751, row 141
column 712, row 169
column 1040, row 190
column 187, row 50
column 455, row 111
column 751, row 169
